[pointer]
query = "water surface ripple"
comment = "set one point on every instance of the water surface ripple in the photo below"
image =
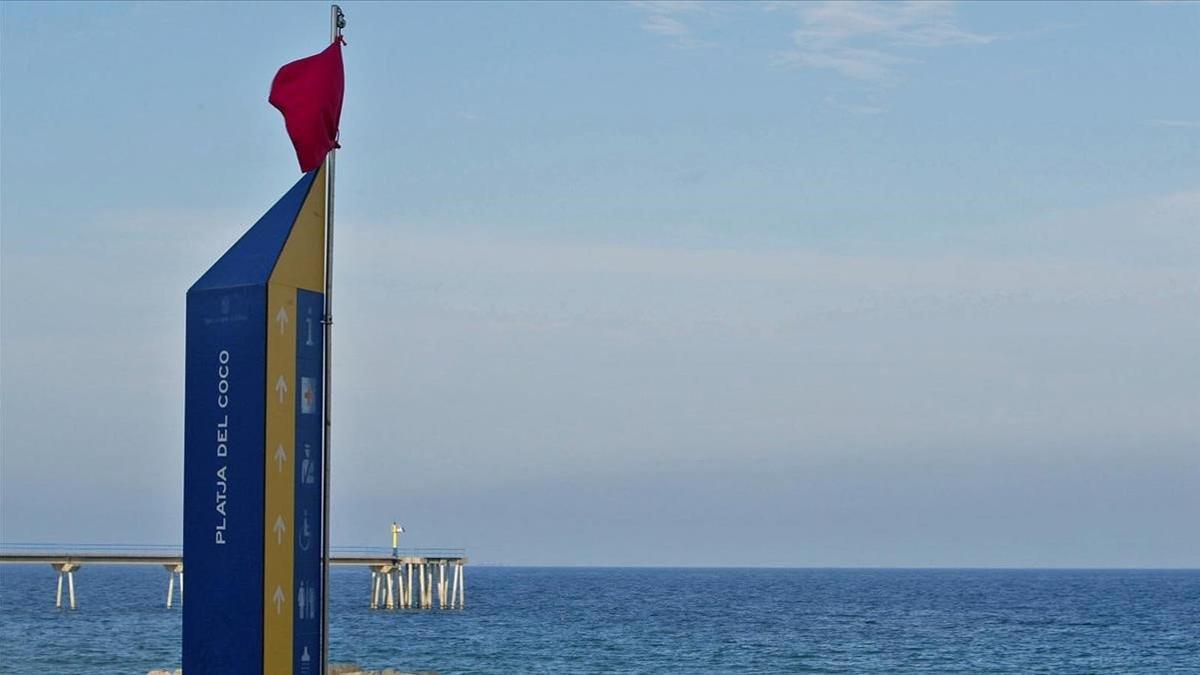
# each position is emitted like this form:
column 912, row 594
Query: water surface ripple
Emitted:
column 646, row 620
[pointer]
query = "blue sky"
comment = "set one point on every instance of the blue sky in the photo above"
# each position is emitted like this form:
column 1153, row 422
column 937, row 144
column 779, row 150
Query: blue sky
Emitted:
column 624, row 283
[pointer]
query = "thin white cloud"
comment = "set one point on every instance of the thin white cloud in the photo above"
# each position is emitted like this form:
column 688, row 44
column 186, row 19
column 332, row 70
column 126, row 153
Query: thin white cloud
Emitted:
column 667, row 18
column 867, row 106
column 923, row 24
column 860, row 64
column 1175, row 124
column 670, row 6
column 665, row 25
column 865, row 40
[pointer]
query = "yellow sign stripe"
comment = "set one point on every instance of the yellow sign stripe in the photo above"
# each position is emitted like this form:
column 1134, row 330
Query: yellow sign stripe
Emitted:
column 301, row 264
column 280, row 455
column 302, row 261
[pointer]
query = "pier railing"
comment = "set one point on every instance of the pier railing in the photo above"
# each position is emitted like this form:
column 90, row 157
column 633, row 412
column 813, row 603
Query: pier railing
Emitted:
column 72, row 550
column 385, row 552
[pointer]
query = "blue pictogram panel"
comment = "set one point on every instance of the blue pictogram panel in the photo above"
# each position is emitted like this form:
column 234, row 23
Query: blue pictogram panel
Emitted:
column 310, row 308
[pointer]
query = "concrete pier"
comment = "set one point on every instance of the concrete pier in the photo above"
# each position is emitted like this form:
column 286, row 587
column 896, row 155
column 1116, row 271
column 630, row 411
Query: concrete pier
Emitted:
column 391, row 575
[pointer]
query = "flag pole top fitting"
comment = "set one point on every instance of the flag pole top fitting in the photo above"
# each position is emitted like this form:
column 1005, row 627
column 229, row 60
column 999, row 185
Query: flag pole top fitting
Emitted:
column 339, row 21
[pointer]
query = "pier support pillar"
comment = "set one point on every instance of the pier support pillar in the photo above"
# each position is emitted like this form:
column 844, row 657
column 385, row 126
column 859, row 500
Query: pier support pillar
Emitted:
column 374, row 589
column 391, row 599
column 404, row 589
column 441, row 585
column 172, row 572
column 456, row 589
column 409, row 567
column 400, row 589
column 65, row 570
column 421, row 572
column 429, row 587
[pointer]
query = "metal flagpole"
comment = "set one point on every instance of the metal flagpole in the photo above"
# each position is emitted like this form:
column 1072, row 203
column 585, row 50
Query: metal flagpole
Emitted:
column 337, row 21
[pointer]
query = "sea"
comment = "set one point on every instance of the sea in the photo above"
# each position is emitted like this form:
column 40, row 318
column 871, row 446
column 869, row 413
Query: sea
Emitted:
column 664, row 620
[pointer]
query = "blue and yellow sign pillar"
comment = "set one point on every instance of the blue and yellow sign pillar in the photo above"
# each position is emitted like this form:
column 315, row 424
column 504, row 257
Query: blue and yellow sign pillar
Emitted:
column 252, row 451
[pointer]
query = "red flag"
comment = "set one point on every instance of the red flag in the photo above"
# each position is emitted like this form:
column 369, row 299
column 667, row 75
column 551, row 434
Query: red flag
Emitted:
column 309, row 94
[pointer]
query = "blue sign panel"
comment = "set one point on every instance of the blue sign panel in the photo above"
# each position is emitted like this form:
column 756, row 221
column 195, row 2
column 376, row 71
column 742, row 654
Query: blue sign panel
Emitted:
column 223, row 469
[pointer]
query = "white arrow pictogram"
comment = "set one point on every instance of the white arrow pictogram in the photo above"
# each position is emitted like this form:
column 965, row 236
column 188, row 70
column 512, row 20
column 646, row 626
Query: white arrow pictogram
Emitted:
column 278, row 599
column 281, row 388
column 280, row 456
column 282, row 317
column 279, row 528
